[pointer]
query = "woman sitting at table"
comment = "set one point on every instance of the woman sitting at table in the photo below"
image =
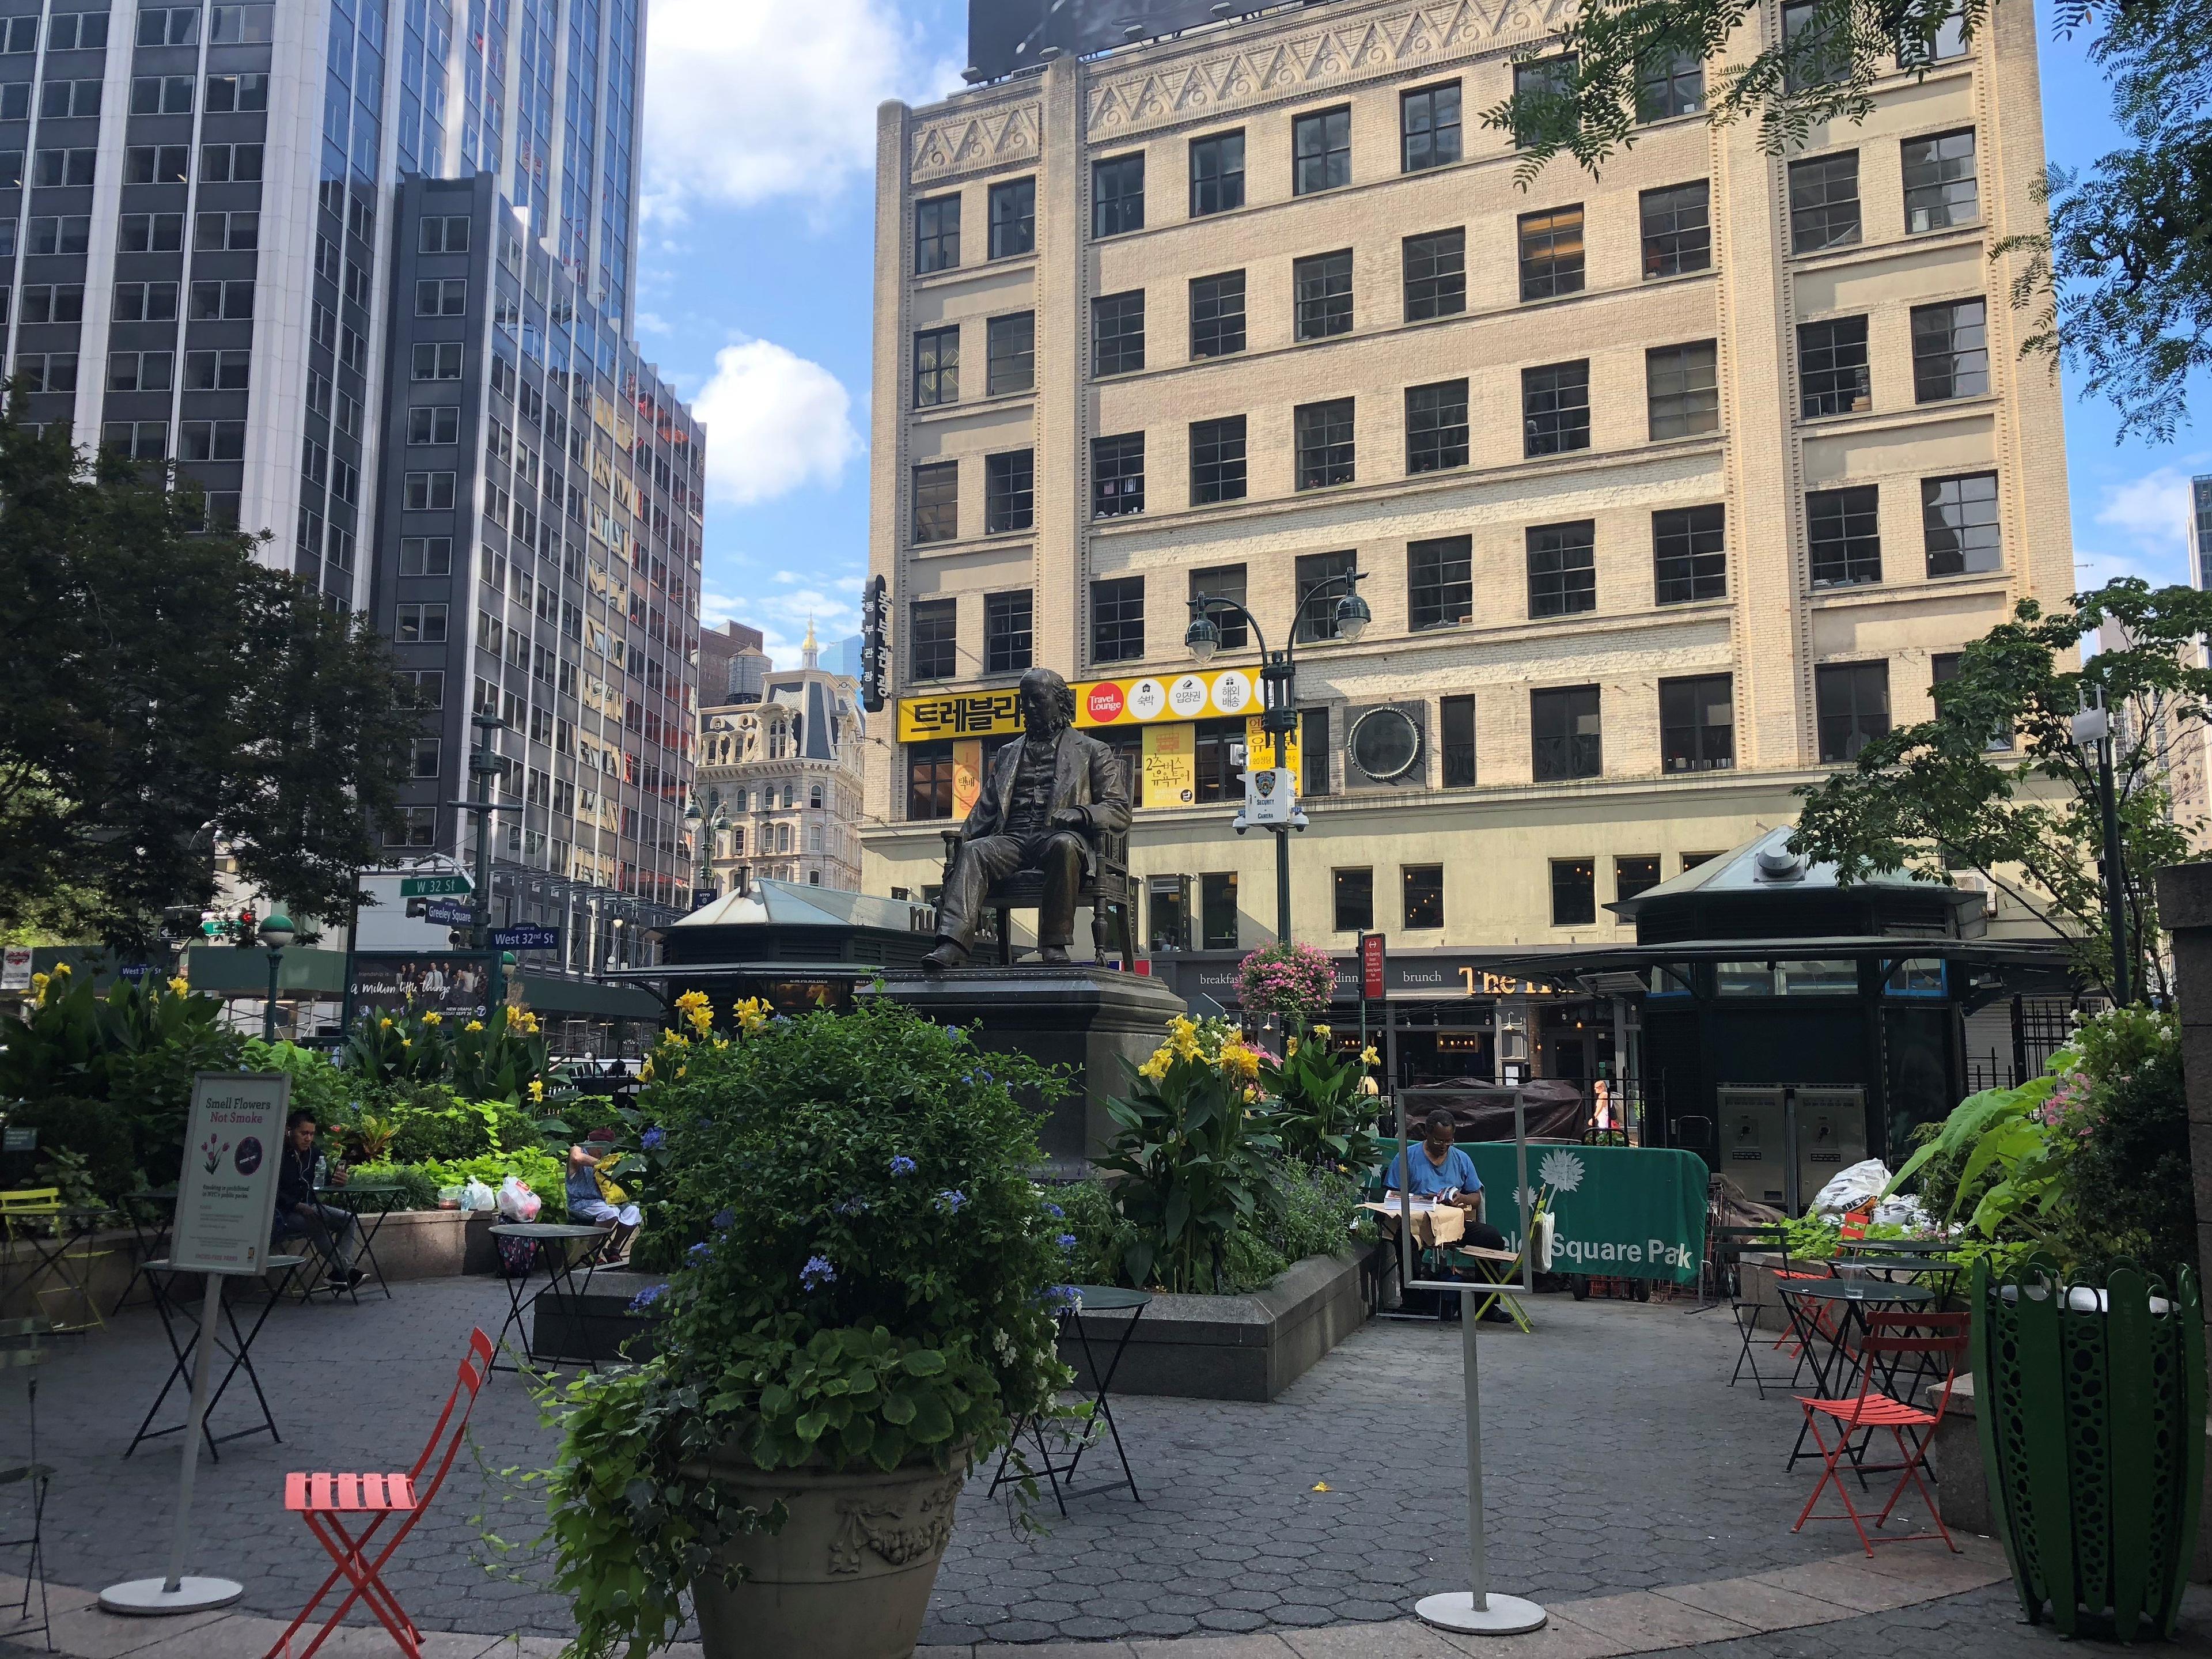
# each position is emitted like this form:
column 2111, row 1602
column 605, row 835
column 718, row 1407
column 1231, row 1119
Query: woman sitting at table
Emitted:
column 595, row 1201
column 1436, row 1169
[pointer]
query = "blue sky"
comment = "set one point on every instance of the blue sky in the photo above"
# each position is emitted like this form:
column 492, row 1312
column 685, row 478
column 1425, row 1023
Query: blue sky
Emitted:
column 757, row 279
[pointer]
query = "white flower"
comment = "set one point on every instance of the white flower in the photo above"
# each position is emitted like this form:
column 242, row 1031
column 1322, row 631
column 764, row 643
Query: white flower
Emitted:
column 1562, row 1170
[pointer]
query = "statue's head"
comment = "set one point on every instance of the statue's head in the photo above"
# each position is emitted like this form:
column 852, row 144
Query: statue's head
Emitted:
column 1048, row 703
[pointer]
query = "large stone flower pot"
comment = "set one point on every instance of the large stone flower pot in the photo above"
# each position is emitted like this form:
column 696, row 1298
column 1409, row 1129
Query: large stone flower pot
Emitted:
column 847, row 1577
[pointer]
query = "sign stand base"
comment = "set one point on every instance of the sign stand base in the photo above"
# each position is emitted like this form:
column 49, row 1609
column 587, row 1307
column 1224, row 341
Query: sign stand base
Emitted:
column 1505, row 1615
column 145, row 1598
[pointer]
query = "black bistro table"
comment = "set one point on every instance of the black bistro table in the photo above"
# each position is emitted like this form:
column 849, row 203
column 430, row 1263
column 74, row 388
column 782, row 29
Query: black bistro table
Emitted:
column 1090, row 1302
column 152, row 1215
column 238, row 1350
column 1897, row 1246
column 1823, row 1314
column 1940, row 1275
column 552, row 1242
column 370, row 1202
column 73, row 1226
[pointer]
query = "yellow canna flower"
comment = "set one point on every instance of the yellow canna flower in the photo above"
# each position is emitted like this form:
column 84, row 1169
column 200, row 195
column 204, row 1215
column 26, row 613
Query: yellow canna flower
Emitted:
column 1290, row 1046
column 407, row 1043
column 536, row 1091
column 1321, row 1030
column 752, row 1015
column 39, row 983
column 62, row 968
column 645, row 1072
column 434, row 1018
column 384, row 1024
column 1369, row 1057
column 473, row 1025
column 179, row 986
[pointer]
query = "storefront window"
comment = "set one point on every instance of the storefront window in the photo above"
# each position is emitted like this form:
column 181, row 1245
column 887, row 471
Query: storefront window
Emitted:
column 1824, row 977
column 1916, row 976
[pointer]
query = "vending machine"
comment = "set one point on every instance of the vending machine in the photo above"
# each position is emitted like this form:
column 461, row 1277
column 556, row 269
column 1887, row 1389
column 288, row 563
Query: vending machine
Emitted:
column 1781, row 1143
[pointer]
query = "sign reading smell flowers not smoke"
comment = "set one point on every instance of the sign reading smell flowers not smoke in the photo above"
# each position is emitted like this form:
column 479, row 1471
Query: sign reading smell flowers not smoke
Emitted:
column 226, row 1197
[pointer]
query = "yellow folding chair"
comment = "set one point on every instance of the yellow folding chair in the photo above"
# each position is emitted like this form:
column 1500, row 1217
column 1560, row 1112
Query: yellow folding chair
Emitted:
column 27, row 1215
column 1498, row 1272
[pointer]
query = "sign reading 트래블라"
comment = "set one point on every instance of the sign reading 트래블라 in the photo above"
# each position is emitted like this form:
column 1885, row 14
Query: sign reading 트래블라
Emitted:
column 226, row 1192
column 1141, row 700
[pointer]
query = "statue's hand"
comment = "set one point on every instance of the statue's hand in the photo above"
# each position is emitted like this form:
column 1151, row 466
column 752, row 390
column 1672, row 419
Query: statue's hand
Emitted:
column 1071, row 817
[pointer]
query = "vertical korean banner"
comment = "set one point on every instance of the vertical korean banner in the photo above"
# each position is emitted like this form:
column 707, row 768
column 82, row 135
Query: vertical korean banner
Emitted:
column 226, row 1194
column 1171, row 774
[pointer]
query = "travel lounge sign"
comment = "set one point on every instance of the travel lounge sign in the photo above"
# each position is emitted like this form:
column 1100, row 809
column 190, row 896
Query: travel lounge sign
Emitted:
column 1219, row 694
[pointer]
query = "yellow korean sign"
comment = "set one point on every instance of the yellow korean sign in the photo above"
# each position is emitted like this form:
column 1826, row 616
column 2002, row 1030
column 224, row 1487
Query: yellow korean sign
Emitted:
column 1260, row 749
column 1170, row 770
column 958, row 714
column 1215, row 694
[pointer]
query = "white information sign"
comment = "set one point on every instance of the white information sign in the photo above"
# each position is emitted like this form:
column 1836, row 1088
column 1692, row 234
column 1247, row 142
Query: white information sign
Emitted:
column 1271, row 796
column 15, row 969
column 226, row 1197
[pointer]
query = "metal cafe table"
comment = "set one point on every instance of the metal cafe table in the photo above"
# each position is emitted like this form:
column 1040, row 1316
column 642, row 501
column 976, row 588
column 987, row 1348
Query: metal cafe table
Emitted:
column 239, row 1350
column 1090, row 1302
column 370, row 1202
column 1823, row 1313
column 68, row 1260
column 551, row 1245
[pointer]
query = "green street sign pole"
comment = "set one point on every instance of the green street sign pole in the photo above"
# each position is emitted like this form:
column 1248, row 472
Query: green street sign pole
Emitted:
column 483, row 764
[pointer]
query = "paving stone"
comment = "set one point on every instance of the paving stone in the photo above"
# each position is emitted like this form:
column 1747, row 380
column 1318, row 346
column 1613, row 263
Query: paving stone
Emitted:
column 1648, row 1622
column 1754, row 1603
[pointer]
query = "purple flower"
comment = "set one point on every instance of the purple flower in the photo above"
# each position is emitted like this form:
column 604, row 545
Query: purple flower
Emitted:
column 646, row 1298
column 699, row 1251
column 723, row 1220
column 651, row 1138
column 1066, row 1242
column 1056, row 1212
column 950, row 1201
column 902, row 1165
column 816, row 1272
column 985, row 1076
column 1059, row 1295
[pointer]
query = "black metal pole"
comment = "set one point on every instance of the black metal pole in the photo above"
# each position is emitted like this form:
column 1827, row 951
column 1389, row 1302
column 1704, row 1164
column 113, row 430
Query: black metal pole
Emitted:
column 2115, row 902
column 1283, row 882
column 269, row 1013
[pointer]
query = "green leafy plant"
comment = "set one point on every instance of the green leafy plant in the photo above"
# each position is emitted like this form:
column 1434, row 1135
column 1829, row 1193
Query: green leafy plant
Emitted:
column 869, row 1279
column 1195, row 1166
column 1319, row 1115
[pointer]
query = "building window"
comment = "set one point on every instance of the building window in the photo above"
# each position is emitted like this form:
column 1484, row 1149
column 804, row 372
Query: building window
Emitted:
column 937, row 501
column 1117, row 195
column 426, row 556
column 428, row 492
column 1436, row 275
column 1217, row 173
column 1014, row 218
column 1320, row 151
column 1823, row 202
column 1216, row 461
column 1950, row 351
column 1574, row 892
column 437, row 296
column 1959, row 517
column 1851, row 700
column 1317, row 618
column 1312, row 744
column 1637, row 873
column 1117, row 619
column 932, row 646
column 1435, row 426
column 1819, row 51
column 936, row 235
column 1007, row 632
column 1697, row 724
column 1562, row 567
column 1217, row 911
column 1689, row 554
column 1683, row 387
column 1423, row 891
column 1545, row 78
column 1354, row 891
column 1564, row 735
column 1439, row 582
column 1670, row 87
column 1324, row 436
column 438, row 423
column 419, row 624
column 1456, row 721
column 936, row 367
column 928, row 781
column 1678, row 229
column 1942, row 669
column 1950, row 41
column 137, row 371
column 1117, row 333
column 1322, row 286
column 1217, row 315
column 137, row 440
column 1555, row 407
column 1009, row 491
column 1009, row 354
column 1429, row 127
column 1552, row 253
column 1225, row 582
column 1842, row 528
column 1940, row 190
column 1831, row 367
column 1117, row 476
column 211, row 440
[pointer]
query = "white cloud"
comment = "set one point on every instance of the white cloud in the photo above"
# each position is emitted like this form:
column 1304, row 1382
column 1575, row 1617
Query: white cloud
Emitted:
column 783, row 603
column 745, row 99
column 774, row 422
column 2150, row 517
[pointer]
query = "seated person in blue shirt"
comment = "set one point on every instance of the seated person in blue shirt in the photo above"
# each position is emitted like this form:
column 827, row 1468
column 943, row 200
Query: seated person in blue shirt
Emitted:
column 1436, row 1169
column 590, row 1206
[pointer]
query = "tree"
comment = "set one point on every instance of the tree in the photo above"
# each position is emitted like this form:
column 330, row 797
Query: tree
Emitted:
column 1996, row 783
column 2122, row 283
column 164, row 691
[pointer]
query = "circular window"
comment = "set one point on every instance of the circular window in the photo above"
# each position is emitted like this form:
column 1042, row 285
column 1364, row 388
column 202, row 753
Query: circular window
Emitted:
column 1384, row 744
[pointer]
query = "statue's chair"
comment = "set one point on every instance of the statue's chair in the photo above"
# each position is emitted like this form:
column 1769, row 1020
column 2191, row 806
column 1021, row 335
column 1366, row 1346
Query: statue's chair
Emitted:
column 1106, row 891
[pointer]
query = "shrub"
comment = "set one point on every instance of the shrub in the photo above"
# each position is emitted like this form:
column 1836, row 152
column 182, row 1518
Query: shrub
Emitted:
column 93, row 1130
column 318, row 1085
column 1296, row 982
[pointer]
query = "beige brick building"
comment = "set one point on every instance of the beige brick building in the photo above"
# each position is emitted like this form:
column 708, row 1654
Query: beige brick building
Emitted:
column 1663, row 486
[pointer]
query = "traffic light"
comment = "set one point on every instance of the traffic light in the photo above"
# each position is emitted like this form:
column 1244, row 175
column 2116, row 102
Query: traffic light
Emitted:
column 875, row 644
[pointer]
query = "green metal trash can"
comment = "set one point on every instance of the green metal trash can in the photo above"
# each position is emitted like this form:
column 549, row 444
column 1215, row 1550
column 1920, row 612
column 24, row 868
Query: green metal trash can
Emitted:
column 2091, row 1407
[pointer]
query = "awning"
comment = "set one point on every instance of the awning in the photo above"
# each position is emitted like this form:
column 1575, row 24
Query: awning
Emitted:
column 553, row 997
column 2034, row 955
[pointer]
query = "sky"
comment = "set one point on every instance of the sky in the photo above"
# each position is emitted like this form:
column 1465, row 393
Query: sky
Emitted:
column 757, row 282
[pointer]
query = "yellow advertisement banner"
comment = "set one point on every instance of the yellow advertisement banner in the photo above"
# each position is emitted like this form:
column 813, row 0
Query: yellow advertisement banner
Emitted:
column 1170, row 777
column 958, row 714
column 966, row 775
column 1260, row 749
column 1214, row 694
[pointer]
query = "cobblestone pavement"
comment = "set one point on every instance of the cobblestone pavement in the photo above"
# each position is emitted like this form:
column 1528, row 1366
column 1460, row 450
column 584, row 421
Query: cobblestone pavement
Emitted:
column 1616, row 1461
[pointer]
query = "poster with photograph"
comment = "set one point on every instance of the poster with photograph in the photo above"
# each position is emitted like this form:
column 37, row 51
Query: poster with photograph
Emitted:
column 454, row 983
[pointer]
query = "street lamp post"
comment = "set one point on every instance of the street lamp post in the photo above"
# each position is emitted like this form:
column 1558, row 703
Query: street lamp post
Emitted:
column 484, row 765
column 1279, row 686
column 2094, row 726
column 276, row 933
column 706, row 830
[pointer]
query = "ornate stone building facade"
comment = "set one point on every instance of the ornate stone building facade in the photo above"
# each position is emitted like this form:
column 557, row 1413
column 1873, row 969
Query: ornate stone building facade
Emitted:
column 779, row 782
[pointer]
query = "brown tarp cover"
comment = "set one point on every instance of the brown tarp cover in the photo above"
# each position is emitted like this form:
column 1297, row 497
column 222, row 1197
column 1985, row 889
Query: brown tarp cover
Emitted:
column 1554, row 1108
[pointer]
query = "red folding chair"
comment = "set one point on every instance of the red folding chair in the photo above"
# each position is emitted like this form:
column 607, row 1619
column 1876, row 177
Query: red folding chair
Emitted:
column 330, row 1504
column 1886, row 1346
column 1851, row 1229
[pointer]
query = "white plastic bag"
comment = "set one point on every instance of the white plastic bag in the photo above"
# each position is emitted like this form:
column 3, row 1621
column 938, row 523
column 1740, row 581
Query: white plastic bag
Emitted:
column 476, row 1196
column 516, row 1201
column 1906, row 1211
column 1851, row 1187
column 1541, row 1231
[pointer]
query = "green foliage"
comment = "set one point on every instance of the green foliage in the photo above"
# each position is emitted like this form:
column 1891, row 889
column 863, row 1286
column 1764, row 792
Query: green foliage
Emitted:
column 870, row 1282
column 2029, row 817
column 317, row 1085
column 1103, row 1234
column 133, row 1051
column 97, row 1132
column 1316, row 1213
column 161, row 679
column 502, row 1057
column 538, row 1169
column 1195, row 1169
column 70, row 1174
column 1320, row 1115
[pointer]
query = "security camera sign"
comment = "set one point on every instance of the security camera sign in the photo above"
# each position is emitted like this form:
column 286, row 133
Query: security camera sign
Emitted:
column 227, row 1192
column 1269, row 796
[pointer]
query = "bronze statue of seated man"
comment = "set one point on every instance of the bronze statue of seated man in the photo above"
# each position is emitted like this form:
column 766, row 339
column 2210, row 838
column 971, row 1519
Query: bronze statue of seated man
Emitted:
column 1045, row 798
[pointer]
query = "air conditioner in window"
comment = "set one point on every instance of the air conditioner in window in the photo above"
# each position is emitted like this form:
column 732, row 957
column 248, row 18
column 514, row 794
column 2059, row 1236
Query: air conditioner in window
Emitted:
column 1973, row 881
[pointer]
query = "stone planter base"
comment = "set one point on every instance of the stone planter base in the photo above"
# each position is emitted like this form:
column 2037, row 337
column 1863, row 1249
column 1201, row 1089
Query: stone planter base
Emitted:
column 420, row 1244
column 1232, row 1347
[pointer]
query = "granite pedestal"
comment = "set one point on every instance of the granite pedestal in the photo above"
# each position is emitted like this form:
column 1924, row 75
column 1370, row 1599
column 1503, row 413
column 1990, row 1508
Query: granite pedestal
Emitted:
column 1081, row 1016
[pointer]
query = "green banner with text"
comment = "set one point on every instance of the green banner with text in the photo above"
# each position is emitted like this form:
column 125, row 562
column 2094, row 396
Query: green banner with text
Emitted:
column 1620, row 1212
